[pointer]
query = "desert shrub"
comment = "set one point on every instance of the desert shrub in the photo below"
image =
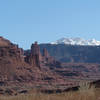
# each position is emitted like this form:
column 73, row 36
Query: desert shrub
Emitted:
column 85, row 93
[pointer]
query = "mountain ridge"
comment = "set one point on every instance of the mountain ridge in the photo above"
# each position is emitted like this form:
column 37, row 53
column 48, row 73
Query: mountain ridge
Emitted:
column 77, row 41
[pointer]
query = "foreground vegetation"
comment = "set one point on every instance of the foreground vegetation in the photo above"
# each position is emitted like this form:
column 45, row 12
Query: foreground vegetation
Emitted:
column 84, row 93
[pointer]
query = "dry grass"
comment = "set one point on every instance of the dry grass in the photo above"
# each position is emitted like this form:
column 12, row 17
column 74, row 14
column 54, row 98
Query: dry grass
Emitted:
column 84, row 93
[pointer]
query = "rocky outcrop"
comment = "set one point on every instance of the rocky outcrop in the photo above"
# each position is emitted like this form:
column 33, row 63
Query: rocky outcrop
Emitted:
column 49, row 60
column 7, row 49
column 34, row 58
column 4, row 42
column 35, row 54
column 11, row 56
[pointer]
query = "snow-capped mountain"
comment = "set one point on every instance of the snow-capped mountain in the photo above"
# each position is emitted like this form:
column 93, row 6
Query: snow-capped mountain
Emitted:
column 76, row 41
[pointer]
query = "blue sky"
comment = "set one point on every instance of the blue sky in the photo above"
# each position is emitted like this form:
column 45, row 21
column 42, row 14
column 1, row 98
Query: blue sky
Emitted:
column 26, row 21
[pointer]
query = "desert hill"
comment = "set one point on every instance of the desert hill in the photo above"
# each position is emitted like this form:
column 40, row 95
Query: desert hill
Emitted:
column 73, row 53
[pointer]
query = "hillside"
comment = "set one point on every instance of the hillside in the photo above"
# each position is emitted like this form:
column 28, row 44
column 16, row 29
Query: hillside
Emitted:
column 73, row 53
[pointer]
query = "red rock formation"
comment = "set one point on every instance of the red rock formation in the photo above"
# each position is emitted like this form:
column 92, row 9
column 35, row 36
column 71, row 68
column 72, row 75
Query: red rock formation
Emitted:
column 35, row 50
column 14, row 71
column 11, row 57
column 35, row 56
column 4, row 42
column 49, row 60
